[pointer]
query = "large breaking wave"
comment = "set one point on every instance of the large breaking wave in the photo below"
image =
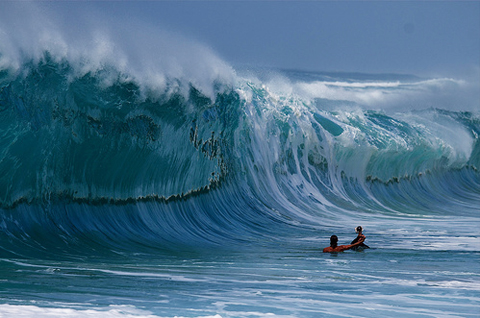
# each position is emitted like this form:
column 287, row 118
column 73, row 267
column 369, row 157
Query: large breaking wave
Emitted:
column 99, row 149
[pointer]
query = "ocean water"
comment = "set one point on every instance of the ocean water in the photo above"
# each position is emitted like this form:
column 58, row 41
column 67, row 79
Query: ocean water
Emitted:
column 138, row 188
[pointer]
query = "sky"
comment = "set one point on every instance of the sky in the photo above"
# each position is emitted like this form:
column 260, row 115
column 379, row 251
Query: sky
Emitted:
column 426, row 38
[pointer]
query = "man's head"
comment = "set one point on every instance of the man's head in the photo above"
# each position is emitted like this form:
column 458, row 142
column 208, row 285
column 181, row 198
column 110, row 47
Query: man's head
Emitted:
column 333, row 241
column 358, row 229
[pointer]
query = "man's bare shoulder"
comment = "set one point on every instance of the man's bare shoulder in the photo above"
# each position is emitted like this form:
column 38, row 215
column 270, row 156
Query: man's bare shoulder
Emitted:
column 328, row 249
column 337, row 249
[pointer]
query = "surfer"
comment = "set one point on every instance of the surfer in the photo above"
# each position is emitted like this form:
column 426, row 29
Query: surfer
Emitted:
column 334, row 248
column 362, row 246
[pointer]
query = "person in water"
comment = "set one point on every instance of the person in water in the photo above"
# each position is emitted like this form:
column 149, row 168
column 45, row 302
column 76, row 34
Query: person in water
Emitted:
column 359, row 230
column 334, row 248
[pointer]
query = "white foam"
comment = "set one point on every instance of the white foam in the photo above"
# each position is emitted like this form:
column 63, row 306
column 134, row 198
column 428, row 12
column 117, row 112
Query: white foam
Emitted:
column 445, row 93
column 179, row 278
column 395, row 95
column 28, row 311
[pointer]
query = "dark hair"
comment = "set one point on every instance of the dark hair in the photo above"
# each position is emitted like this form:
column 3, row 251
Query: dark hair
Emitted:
column 333, row 241
column 358, row 229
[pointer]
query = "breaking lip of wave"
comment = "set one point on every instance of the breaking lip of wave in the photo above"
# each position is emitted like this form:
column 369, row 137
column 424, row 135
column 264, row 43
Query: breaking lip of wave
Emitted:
column 138, row 52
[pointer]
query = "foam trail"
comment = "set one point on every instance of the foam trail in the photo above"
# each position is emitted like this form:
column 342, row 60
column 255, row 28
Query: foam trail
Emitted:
column 109, row 312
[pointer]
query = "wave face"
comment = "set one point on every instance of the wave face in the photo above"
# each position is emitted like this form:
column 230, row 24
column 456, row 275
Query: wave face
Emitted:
column 97, row 157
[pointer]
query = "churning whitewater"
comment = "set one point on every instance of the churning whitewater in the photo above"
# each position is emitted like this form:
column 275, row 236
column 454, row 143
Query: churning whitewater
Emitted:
column 185, row 187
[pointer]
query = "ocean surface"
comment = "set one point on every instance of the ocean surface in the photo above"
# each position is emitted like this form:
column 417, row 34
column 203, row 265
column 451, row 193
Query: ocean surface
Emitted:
column 136, row 188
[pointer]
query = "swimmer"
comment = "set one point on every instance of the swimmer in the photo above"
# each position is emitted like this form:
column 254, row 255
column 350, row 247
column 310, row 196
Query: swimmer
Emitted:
column 362, row 246
column 334, row 248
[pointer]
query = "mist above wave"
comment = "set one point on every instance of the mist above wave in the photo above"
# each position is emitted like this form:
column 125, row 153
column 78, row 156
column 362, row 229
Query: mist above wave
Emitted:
column 139, row 52
column 382, row 92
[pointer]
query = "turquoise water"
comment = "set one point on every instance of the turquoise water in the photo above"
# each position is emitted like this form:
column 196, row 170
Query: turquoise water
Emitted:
column 131, row 196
